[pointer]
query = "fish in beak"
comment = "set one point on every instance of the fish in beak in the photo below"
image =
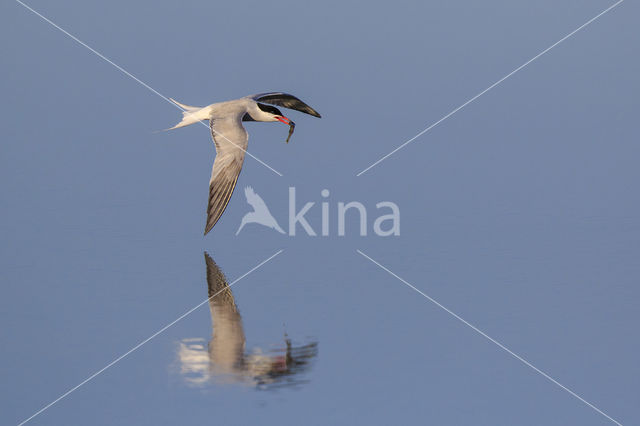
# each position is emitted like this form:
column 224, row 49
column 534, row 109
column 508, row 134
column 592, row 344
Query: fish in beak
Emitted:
column 291, row 124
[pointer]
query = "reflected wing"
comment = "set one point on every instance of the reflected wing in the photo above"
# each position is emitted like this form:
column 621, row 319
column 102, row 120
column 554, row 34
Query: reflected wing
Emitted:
column 226, row 348
column 285, row 100
column 219, row 291
column 230, row 140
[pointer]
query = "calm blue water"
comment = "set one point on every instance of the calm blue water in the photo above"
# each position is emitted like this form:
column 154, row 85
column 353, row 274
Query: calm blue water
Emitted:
column 519, row 213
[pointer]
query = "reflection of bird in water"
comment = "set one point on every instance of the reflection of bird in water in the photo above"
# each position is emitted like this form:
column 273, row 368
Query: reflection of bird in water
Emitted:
column 260, row 213
column 225, row 359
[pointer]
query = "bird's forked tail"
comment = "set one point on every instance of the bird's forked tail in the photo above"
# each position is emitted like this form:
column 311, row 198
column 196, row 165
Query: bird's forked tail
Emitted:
column 191, row 114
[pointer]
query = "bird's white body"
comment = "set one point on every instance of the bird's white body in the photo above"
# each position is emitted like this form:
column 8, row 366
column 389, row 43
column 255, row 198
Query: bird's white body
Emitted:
column 219, row 110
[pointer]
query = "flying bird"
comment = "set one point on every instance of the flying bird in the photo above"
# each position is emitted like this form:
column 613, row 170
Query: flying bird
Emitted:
column 260, row 213
column 231, row 139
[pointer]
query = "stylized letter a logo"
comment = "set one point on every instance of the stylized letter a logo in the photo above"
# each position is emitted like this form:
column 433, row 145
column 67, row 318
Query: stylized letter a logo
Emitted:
column 260, row 213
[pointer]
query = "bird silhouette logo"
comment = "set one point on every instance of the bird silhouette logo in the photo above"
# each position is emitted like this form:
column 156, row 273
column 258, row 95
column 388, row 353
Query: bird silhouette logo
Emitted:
column 260, row 213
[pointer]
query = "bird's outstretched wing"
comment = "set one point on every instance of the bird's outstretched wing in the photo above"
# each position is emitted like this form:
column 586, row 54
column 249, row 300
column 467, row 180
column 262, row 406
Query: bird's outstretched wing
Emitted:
column 230, row 140
column 285, row 100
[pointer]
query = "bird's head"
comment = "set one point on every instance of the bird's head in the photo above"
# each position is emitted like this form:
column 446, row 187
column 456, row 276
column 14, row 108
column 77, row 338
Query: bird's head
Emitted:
column 269, row 113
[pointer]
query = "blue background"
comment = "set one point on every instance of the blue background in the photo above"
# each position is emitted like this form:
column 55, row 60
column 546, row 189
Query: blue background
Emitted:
column 519, row 213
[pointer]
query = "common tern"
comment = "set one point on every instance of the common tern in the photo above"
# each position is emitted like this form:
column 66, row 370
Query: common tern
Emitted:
column 231, row 139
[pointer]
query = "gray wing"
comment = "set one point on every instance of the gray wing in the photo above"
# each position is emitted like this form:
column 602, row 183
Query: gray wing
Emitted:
column 230, row 139
column 285, row 100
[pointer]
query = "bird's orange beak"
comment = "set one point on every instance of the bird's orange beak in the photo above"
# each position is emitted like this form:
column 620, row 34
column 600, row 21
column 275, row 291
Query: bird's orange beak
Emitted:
column 283, row 119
